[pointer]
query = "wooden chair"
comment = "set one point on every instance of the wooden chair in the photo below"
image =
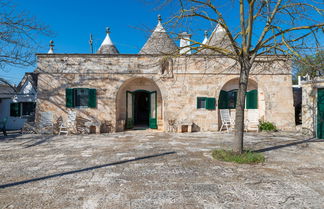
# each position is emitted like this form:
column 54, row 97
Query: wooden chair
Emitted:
column 65, row 126
column 226, row 119
column 63, row 129
column 252, row 121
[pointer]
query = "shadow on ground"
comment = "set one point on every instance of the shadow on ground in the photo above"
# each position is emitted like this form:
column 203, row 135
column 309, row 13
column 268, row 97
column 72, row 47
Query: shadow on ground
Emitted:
column 83, row 170
column 29, row 140
column 43, row 140
column 280, row 146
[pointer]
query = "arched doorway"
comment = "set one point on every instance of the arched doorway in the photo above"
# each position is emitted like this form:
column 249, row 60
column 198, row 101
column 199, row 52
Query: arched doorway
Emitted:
column 139, row 105
column 228, row 97
column 228, row 94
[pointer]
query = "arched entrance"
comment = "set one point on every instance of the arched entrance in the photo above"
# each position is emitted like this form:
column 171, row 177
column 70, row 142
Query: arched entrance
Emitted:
column 139, row 105
column 228, row 94
column 228, row 97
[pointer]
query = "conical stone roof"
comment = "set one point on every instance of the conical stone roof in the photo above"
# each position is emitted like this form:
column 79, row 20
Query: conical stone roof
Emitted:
column 219, row 39
column 159, row 42
column 107, row 46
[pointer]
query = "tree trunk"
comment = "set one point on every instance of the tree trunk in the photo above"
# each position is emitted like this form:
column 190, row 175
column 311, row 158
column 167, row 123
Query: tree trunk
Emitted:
column 240, row 104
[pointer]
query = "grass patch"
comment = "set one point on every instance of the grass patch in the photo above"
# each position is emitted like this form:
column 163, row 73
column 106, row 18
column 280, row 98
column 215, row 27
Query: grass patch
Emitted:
column 246, row 157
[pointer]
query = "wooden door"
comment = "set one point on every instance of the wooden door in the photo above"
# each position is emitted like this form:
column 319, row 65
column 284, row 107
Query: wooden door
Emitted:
column 153, row 110
column 129, row 109
column 320, row 113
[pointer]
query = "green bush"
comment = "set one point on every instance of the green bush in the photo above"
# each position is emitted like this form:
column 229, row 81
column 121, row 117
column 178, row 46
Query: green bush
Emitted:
column 247, row 157
column 267, row 126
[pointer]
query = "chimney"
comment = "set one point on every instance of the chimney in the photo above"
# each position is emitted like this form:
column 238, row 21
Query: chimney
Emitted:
column 185, row 43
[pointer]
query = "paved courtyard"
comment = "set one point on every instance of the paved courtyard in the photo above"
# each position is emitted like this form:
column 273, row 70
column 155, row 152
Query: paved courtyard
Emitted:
column 141, row 169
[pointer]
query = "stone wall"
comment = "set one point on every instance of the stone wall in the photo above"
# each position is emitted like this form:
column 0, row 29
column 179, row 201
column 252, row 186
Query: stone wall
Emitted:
column 178, row 85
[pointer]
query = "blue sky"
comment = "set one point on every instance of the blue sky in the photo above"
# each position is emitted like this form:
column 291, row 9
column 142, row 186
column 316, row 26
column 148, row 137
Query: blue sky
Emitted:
column 130, row 21
column 73, row 21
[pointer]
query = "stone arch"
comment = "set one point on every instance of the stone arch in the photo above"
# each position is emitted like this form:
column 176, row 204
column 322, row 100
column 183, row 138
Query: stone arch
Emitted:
column 232, row 83
column 134, row 85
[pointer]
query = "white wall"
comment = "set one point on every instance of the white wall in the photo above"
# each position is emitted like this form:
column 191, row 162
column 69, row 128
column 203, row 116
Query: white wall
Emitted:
column 13, row 123
column 26, row 94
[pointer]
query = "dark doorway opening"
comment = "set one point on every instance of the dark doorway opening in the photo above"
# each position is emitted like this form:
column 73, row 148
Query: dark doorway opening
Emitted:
column 141, row 109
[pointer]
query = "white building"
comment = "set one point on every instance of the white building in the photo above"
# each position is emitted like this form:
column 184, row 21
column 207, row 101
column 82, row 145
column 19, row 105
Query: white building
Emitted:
column 18, row 105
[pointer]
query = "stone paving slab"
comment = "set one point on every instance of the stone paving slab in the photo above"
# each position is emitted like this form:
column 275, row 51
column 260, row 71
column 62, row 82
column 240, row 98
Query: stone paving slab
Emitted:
column 141, row 169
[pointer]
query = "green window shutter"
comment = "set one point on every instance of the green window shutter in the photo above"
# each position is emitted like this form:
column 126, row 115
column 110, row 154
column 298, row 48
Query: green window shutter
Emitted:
column 15, row 109
column 69, row 97
column 198, row 99
column 92, row 98
column 223, row 100
column 211, row 104
column 252, row 99
column 248, row 100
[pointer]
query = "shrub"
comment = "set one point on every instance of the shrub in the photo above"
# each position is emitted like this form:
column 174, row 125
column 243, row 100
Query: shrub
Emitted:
column 267, row 126
column 247, row 157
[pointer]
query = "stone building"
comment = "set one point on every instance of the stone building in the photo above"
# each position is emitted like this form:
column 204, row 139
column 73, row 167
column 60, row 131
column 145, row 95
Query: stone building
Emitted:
column 159, row 86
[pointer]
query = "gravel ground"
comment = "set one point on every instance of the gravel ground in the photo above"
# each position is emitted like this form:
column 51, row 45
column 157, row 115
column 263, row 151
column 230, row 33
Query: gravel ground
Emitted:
column 143, row 169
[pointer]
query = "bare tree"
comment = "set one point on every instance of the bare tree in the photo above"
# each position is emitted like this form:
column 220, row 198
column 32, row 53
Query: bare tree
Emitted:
column 18, row 32
column 266, row 27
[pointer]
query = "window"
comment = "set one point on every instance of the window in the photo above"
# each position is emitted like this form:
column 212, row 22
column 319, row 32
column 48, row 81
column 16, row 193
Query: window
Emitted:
column 28, row 108
column 206, row 103
column 22, row 109
column 15, row 109
column 232, row 96
column 201, row 102
column 227, row 99
column 81, row 97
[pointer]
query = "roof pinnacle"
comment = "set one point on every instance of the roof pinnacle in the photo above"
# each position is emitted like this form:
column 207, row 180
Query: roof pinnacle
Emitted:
column 159, row 27
column 51, row 45
column 206, row 34
column 91, row 43
column 206, row 37
column 107, row 30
